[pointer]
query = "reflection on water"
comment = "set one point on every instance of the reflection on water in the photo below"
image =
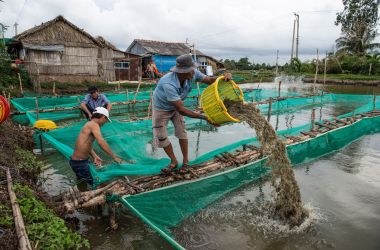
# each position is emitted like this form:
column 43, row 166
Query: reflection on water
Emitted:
column 342, row 190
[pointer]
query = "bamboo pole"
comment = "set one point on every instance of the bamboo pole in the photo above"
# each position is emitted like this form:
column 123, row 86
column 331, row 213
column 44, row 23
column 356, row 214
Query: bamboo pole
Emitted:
column 23, row 240
column 54, row 89
column 316, row 72
column 37, row 110
column 324, row 73
column 313, row 119
column 150, row 103
column 137, row 91
column 19, row 80
column 269, row 108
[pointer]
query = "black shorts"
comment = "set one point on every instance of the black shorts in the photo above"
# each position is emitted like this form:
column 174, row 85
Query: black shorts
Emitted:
column 82, row 170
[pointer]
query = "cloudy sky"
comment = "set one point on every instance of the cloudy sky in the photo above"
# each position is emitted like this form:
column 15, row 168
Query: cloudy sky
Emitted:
column 221, row 28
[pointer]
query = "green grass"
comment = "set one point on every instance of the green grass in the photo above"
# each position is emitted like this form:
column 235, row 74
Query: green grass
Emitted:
column 345, row 76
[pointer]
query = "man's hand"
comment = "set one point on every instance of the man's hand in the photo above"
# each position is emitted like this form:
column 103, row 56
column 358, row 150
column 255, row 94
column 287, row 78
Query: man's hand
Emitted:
column 89, row 116
column 227, row 76
column 209, row 121
column 98, row 161
column 118, row 160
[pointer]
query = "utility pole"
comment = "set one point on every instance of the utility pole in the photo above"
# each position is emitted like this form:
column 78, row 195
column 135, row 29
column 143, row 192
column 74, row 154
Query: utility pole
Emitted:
column 298, row 32
column 16, row 24
column 277, row 64
column 294, row 27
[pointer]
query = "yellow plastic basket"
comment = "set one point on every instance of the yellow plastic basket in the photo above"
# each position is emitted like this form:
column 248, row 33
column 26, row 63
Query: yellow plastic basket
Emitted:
column 213, row 96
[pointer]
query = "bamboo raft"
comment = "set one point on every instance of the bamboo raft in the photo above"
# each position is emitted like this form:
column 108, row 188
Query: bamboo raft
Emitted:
column 73, row 199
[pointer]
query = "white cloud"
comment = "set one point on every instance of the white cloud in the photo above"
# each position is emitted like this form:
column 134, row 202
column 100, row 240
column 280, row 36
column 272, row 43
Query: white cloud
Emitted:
column 220, row 28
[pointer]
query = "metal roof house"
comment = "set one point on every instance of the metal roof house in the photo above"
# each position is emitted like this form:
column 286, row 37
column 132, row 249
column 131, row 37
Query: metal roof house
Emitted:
column 164, row 54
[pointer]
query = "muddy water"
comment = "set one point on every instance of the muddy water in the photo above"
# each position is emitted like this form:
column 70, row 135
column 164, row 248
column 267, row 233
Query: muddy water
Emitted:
column 342, row 191
column 287, row 204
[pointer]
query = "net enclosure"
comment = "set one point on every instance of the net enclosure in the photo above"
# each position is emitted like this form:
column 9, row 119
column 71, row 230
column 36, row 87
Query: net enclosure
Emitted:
column 166, row 207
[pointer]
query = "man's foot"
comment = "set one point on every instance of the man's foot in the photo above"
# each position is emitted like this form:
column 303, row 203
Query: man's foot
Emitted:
column 184, row 169
column 171, row 167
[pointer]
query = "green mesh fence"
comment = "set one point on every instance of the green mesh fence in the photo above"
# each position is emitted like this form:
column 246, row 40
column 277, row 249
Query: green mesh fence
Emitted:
column 140, row 109
column 129, row 140
column 163, row 209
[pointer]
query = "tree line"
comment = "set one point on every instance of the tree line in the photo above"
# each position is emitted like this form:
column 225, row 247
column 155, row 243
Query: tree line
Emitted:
column 356, row 53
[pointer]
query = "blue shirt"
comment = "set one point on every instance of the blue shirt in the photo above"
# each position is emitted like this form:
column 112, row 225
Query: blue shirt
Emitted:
column 100, row 102
column 169, row 90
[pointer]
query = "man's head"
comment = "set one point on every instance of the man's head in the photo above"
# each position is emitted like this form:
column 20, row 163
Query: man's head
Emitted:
column 93, row 91
column 184, row 67
column 101, row 114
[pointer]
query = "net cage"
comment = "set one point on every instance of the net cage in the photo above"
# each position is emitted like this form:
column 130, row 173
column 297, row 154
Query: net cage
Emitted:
column 165, row 208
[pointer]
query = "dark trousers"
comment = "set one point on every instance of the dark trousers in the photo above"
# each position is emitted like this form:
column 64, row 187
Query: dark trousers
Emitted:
column 82, row 169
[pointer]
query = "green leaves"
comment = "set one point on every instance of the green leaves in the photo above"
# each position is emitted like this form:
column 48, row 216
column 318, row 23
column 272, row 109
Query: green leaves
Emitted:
column 44, row 228
column 358, row 21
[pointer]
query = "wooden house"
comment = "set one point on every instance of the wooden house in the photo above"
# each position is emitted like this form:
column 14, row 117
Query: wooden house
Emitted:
column 60, row 51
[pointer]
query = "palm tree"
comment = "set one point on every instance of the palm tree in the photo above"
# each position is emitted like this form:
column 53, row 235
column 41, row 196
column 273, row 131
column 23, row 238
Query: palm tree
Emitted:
column 358, row 41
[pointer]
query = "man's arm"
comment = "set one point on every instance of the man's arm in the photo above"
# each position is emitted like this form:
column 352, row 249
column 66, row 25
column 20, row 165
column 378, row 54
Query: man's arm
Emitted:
column 109, row 106
column 186, row 112
column 107, row 102
column 85, row 109
column 95, row 130
column 212, row 79
column 97, row 159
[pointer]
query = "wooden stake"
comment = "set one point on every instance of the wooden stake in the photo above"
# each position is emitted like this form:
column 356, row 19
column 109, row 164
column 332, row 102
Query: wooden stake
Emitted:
column 19, row 80
column 41, row 144
column 313, row 119
column 316, row 72
column 269, row 108
column 54, row 89
column 137, row 91
column 324, row 73
column 150, row 103
column 22, row 236
column 37, row 110
column 374, row 102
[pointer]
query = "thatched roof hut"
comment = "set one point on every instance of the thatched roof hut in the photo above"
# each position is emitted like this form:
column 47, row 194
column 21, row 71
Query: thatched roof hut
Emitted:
column 60, row 51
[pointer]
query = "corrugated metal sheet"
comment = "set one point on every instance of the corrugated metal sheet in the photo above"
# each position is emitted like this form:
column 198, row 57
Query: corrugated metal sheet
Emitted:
column 164, row 63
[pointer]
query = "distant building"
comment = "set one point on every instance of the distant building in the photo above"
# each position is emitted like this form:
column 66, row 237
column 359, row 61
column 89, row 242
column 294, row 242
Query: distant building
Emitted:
column 164, row 54
column 60, row 51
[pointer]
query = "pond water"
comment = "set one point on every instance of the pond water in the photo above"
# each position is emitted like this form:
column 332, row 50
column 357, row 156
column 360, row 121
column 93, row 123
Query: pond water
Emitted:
column 342, row 191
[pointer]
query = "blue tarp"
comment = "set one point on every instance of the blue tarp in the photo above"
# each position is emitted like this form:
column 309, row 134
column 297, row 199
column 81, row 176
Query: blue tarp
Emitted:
column 164, row 63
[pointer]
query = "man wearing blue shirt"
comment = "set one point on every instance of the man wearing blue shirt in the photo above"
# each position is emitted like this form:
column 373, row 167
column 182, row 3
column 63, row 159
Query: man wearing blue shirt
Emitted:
column 168, row 104
column 94, row 100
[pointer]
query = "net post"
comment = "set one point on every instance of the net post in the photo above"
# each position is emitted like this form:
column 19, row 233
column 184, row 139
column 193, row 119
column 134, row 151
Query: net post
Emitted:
column 269, row 108
column 279, row 89
column 374, row 102
column 313, row 119
column 19, row 80
column 37, row 111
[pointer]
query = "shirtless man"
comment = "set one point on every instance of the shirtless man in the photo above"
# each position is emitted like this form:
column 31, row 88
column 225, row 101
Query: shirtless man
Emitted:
column 79, row 161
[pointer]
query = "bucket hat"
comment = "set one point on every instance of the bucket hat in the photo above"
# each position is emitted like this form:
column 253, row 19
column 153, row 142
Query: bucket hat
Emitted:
column 184, row 64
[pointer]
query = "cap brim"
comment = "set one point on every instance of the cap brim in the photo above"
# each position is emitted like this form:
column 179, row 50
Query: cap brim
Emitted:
column 108, row 119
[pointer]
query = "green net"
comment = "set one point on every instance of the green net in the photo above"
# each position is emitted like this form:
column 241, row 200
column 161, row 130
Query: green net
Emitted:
column 165, row 208
column 131, row 139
